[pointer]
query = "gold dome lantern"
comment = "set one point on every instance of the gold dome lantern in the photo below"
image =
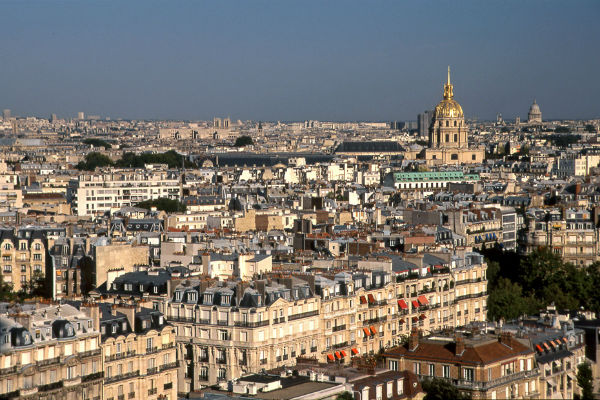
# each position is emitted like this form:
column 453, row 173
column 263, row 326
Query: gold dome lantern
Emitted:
column 448, row 108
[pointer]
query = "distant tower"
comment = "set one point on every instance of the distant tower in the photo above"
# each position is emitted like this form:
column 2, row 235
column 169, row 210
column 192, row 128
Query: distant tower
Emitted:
column 423, row 122
column 499, row 120
column 518, row 121
column 217, row 122
column 226, row 122
column 53, row 118
column 535, row 115
column 260, row 127
column 6, row 114
column 81, row 115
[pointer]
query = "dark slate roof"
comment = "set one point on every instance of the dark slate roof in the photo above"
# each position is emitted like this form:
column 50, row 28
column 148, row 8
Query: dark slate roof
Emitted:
column 369, row 147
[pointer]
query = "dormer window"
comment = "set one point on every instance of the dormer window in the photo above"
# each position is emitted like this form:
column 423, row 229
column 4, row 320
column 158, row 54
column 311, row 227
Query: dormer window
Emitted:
column 128, row 287
column 160, row 320
column 124, row 326
column 7, row 246
column 177, row 296
column 155, row 289
column 114, row 329
column 192, row 296
column 141, row 288
column 226, row 300
column 208, row 299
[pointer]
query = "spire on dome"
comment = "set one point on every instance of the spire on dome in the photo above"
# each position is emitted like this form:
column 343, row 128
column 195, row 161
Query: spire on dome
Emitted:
column 448, row 92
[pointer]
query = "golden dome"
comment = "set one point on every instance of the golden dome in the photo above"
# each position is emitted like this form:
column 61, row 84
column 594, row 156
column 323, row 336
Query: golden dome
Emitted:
column 448, row 108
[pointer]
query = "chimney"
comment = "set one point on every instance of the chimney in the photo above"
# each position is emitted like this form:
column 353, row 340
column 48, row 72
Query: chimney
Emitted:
column 459, row 346
column 92, row 310
column 506, row 339
column 413, row 339
column 129, row 311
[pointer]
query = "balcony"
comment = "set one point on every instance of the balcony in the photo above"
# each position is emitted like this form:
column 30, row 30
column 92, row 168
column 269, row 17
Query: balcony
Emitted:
column 168, row 345
column 243, row 362
column 151, row 350
column 377, row 303
column 303, row 315
column 374, row 320
column 121, row 377
column 312, row 350
column 278, row 359
column 181, row 319
column 263, row 361
column 90, row 353
column 152, row 391
column 72, row 382
column 131, row 395
column 204, row 321
column 120, row 356
column 172, row 365
column 50, row 386
column 487, row 385
column 339, row 345
column 92, row 377
column 338, row 328
column 41, row 363
column 203, row 358
column 152, row 371
column 121, row 397
column 247, row 324
column 221, row 360
column 223, row 323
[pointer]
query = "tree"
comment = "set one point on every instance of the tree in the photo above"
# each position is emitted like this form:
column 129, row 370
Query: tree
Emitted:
column 345, row 396
column 93, row 160
column 97, row 143
column 6, row 290
column 163, row 204
column 243, row 141
column 585, row 381
column 590, row 128
column 35, row 287
column 439, row 389
column 506, row 301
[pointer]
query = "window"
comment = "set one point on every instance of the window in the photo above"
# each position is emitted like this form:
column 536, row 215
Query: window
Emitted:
column 400, row 386
column 417, row 368
column 393, row 365
column 222, row 373
column 7, row 246
column 390, row 389
column 446, row 371
column 431, row 369
column 37, row 246
column 468, row 374
column 70, row 372
column 454, row 156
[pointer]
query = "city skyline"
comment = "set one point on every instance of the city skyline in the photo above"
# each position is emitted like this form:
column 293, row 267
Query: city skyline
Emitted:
column 298, row 61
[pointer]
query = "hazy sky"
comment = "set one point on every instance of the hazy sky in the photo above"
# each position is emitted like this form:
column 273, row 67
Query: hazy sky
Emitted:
column 296, row 60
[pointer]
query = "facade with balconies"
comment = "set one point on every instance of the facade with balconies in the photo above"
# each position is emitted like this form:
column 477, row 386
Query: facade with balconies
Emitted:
column 140, row 358
column 50, row 352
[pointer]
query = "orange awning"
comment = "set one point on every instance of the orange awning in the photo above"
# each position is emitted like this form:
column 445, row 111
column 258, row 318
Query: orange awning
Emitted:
column 371, row 298
column 354, row 351
column 402, row 320
column 402, row 304
column 423, row 300
column 422, row 316
column 537, row 346
column 366, row 331
column 373, row 330
column 565, row 340
column 415, row 319
column 552, row 343
column 338, row 355
column 330, row 357
column 546, row 346
column 415, row 304
column 363, row 300
column 343, row 353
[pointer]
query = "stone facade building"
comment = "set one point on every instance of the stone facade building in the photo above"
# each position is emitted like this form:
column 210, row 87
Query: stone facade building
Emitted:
column 50, row 352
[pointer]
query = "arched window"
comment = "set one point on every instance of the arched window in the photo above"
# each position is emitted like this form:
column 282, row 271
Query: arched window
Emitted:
column 454, row 123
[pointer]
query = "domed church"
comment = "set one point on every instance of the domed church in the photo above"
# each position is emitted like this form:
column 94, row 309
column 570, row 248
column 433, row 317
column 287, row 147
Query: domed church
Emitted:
column 448, row 133
column 535, row 115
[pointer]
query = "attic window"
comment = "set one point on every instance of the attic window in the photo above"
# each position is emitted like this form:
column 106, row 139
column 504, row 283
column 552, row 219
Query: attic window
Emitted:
column 141, row 288
column 155, row 289
column 178, row 296
column 128, row 287
column 114, row 329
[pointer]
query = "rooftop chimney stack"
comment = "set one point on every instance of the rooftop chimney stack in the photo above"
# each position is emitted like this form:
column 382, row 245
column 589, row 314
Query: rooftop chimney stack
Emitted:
column 413, row 340
column 459, row 348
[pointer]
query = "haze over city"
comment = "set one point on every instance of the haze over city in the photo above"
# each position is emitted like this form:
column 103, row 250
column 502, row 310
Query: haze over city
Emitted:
column 297, row 60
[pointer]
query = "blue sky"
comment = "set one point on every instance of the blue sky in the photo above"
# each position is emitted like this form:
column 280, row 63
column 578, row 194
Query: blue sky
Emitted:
column 296, row 60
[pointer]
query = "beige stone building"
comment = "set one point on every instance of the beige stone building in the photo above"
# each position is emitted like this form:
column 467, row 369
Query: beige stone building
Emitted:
column 50, row 352
column 114, row 259
column 22, row 256
column 138, row 350
column 229, row 329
